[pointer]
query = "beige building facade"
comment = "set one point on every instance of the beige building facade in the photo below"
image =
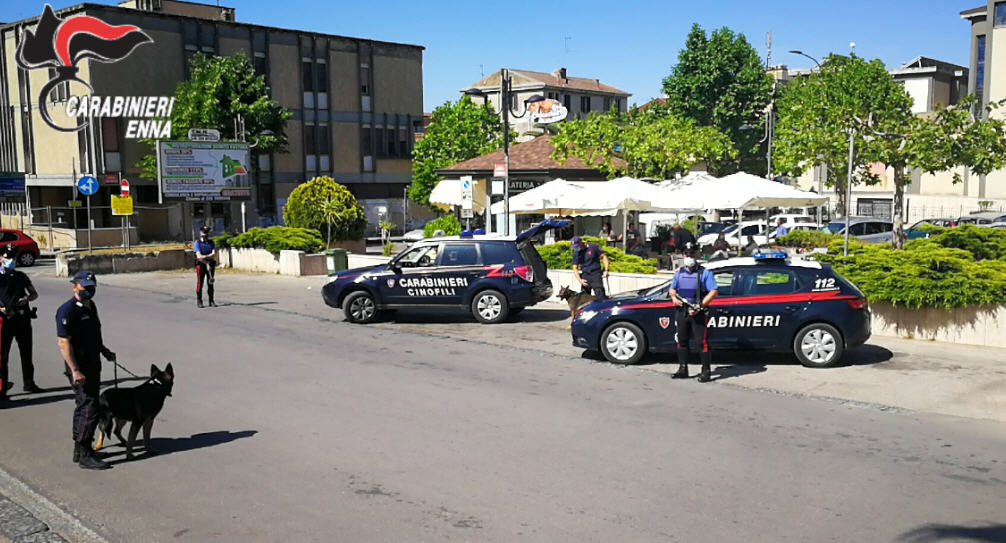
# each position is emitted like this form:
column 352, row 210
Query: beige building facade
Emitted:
column 356, row 105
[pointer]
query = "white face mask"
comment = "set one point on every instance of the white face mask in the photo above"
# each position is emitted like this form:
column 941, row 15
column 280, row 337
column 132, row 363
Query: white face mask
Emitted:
column 8, row 263
column 689, row 263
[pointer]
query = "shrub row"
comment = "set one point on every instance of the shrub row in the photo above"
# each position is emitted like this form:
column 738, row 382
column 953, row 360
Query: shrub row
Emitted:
column 448, row 223
column 274, row 239
column 559, row 256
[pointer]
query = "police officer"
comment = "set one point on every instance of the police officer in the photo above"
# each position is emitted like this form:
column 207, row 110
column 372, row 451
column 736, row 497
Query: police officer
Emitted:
column 79, row 336
column 588, row 261
column 206, row 265
column 697, row 286
column 16, row 291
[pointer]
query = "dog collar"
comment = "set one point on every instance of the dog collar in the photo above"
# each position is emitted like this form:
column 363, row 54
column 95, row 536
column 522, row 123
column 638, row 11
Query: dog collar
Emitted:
column 155, row 381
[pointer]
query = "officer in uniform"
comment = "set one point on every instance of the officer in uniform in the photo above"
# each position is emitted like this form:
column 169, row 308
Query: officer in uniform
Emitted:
column 78, row 330
column 16, row 291
column 206, row 265
column 588, row 259
column 697, row 286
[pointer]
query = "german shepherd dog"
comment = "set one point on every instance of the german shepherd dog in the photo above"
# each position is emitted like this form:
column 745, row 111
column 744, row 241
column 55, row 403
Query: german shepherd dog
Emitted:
column 137, row 405
column 576, row 300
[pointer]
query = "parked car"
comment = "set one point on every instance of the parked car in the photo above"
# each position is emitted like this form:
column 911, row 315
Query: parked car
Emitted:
column 790, row 219
column 737, row 236
column 986, row 217
column 491, row 276
column 865, row 229
column 27, row 249
column 767, row 303
column 916, row 231
column 711, row 228
column 995, row 225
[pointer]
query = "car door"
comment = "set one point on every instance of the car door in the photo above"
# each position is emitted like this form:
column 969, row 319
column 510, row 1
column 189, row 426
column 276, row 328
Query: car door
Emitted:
column 763, row 310
column 719, row 338
column 409, row 278
column 459, row 267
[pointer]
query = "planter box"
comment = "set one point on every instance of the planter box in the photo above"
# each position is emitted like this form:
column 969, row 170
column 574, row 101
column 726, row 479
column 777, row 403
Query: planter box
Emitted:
column 294, row 263
column 984, row 326
column 67, row 264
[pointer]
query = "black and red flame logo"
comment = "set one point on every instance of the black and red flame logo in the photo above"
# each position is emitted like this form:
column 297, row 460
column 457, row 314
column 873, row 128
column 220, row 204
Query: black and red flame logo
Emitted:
column 62, row 43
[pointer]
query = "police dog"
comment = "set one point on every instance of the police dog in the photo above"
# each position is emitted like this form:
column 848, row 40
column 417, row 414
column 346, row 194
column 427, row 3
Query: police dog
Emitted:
column 576, row 300
column 137, row 405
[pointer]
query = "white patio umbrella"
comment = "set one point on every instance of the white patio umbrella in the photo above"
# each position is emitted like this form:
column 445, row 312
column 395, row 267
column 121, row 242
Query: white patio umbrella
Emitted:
column 448, row 193
column 557, row 197
column 735, row 191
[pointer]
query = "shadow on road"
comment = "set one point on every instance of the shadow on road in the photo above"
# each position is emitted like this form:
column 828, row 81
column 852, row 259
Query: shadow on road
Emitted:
column 27, row 399
column 943, row 532
column 169, row 445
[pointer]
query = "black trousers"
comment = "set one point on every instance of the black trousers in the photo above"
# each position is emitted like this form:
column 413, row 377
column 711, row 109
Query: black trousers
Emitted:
column 692, row 328
column 205, row 270
column 85, row 411
column 16, row 328
column 595, row 285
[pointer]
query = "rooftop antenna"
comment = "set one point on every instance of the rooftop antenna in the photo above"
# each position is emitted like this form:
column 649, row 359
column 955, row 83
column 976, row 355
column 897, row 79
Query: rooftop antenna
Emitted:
column 565, row 43
column 482, row 68
column 768, row 47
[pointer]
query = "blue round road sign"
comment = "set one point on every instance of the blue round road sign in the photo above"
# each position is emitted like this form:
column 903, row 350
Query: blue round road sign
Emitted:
column 87, row 185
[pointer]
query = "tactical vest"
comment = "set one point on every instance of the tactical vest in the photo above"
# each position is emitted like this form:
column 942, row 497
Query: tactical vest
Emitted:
column 690, row 285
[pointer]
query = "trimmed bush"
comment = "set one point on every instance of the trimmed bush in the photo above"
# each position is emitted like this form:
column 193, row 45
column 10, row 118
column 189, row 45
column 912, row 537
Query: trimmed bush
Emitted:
column 326, row 206
column 808, row 239
column 274, row 239
column 448, row 223
column 983, row 243
column 559, row 256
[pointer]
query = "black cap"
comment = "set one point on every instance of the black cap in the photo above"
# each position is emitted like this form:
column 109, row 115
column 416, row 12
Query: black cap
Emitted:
column 205, row 230
column 84, row 278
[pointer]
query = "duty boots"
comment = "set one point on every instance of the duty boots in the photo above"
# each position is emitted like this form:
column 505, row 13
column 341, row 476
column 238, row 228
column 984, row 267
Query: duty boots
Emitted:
column 682, row 372
column 199, row 299
column 86, row 458
column 704, row 375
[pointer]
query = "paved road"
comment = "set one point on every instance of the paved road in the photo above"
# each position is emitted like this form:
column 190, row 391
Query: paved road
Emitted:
column 286, row 427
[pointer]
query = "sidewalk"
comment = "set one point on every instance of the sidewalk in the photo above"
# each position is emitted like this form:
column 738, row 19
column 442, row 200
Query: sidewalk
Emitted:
column 914, row 375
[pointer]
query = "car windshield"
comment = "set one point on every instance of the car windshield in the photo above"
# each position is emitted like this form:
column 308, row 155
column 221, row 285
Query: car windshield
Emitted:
column 657, row 289
column 730, row 229
column 835, row 227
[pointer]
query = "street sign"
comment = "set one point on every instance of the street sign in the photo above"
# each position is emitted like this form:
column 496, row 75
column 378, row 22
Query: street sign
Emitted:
column 498, row 187
column 122, row 205
column 499, row 170
column 87, row 185
column 466, row 192
column 111, row 179
column 204, row 134
column 467, row 213
column 11, row 184
column 74, row 203
column 124, row 187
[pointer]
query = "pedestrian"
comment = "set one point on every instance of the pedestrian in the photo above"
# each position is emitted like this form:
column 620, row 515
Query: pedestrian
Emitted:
column 696, row 286
column 78, row 332
column 780, row 229
column 16, row 291
column 750, row 247
column 607, row 234
column 633, row 241
column 681, row 237
column 588, row 262
column 720, row 248
column 206, row 265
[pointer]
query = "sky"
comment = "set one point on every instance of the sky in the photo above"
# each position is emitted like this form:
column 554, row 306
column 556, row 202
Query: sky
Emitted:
column 627, row 44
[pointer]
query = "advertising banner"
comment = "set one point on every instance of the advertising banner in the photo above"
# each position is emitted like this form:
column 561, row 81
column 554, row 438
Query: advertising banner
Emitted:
column 11, row 184
column 204, row 171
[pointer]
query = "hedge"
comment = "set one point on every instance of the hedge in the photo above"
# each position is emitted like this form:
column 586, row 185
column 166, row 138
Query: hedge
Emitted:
column 559, row 256
column 808, row 239
column 274, row 239
column 448, row 223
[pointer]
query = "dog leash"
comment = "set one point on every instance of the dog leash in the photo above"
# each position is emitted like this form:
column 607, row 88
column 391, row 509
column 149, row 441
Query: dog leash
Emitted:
column 115, row 373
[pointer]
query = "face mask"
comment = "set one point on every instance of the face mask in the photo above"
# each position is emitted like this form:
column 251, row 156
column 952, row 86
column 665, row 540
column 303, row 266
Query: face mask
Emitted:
column 9, row 263
column 87, row 293
column 690, row 263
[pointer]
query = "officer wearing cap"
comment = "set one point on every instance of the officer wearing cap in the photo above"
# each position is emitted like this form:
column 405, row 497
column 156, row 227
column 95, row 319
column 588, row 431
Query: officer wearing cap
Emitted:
column 206, row 265
column 587, row 264
column 16, row 291
column 696, row 286
column 78, row 330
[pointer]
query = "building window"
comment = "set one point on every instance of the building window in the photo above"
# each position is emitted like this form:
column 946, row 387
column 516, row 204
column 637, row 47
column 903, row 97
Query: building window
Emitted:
column 321, row 84
column 1000, row 14
column 880, row 208
column 553, row 96
column 566, row 102
column 365, row 149
column 980, row 75
column 323, row 146
column 307, row 73
column 392, row 142
column 259, row 62
column 61, row 92
column 607, row 103
column 584, row 104
column 365, row 79
column 403, row 141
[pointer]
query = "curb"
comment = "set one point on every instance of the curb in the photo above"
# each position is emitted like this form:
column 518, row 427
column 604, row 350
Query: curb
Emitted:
column 28, row 517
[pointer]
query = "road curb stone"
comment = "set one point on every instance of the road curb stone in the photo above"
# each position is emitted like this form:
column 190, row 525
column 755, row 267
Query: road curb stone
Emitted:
column 19, row 525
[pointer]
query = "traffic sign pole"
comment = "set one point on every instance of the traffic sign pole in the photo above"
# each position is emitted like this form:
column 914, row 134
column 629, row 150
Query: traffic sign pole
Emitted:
column 89, row 224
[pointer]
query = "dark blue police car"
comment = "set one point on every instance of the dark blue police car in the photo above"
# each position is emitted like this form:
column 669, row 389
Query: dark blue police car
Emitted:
column 492, row 277
column 766, row 303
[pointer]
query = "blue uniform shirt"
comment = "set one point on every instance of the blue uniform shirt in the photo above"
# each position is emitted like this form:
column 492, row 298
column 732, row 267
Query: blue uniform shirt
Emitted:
column 781, row 230
column 80, row 324
column 588, row 259
column 204, row 247
column 688, row 286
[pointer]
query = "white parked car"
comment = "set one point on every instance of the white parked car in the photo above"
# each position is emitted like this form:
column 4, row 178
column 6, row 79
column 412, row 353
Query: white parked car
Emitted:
column 737, row 237
column 791, row 220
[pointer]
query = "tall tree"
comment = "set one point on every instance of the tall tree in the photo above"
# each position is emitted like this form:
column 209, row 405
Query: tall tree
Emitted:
column 720, row 81
column 651, row 144
column 220, row 89
column 458, row 131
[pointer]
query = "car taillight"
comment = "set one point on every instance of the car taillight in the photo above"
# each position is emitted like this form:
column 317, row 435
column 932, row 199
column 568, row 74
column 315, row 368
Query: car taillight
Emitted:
column 857, row 303
column 525, row 272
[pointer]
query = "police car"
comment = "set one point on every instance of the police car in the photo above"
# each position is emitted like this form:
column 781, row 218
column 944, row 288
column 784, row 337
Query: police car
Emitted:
column 766, row 303
column 492, row 277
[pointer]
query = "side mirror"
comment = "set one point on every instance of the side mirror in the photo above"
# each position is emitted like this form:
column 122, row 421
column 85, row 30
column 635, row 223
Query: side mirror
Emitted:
column 395, row 268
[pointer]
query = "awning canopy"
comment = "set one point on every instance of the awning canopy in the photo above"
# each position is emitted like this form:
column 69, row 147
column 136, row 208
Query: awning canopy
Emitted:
column 606, row 198
column 448, row 193
column 735, row 191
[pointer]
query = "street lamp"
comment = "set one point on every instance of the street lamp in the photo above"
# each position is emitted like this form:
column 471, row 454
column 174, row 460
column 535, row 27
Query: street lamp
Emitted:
column 506, row 90
column 239, row 135
column 801, row 53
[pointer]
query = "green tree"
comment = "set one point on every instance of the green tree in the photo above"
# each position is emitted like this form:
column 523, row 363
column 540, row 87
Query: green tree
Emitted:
column 720, row 81
column 458, row 131
column 324, row 205
column 650, row 144
column 220, row 89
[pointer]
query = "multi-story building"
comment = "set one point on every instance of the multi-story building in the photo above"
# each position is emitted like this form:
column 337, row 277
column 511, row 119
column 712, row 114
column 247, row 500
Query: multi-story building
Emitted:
column 579, row 95
column 356, row 105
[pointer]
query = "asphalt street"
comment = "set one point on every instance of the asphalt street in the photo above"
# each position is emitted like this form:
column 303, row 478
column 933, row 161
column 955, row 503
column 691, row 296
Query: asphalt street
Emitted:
column 290, row 427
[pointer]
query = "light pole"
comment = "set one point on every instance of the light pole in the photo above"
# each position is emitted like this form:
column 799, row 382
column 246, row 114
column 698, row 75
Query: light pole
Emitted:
column 820, row 180
column 239, row 135
column 505, row 92
column 801, row 53
column 848, row 195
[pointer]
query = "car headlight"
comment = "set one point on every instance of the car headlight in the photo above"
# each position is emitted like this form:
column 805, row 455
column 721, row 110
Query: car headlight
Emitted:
column 332, row 279
column 586, row 316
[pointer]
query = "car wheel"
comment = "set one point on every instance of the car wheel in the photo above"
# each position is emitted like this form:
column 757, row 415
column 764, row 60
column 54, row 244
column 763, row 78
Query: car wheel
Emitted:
column 360, row 307
column 490, row 307
column 26, row 259
column 818, row 345
column 623, row 343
